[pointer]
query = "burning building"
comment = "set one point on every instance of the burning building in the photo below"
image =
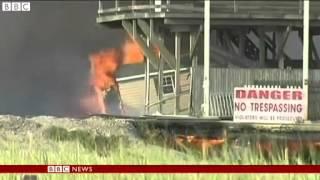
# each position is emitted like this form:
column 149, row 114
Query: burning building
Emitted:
column 242, row 52
column 104, row 95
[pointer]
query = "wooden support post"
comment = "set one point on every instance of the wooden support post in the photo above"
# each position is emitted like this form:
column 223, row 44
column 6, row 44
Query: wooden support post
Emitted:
column 270, row 44
column 160, row 81
column 262, row 48
column 214, row 37
column 228, row 41
column 177, row 72
column 242, row 39
column 274, row 45
column 194, row 59
column 147, row 73
column 195, row 45
column 282, row 38
column 280, row 59
column 314, row 51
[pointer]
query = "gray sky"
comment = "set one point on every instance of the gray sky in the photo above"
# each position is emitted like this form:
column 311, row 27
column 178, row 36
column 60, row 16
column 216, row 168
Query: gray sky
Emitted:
column 44, row 56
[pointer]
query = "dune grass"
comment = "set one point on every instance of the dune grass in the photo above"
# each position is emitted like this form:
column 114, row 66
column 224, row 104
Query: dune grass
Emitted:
column 74, row 148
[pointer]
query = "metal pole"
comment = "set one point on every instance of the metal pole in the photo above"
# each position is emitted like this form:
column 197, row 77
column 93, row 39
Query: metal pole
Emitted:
column 177, row 72
column 116, row 4
column 191, row 40
column 305, row 70
column 100, row 9
column 146, row 86
column 206, row 80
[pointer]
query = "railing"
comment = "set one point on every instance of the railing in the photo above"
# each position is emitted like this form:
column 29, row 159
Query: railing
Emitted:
column 221, row 104
column 196, row 6
column 150, row 8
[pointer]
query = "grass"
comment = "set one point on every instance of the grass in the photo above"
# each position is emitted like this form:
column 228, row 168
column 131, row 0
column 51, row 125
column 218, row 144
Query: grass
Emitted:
column 79, row 147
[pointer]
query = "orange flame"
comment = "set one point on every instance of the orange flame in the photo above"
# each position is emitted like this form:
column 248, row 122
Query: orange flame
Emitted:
column 104, row 67
column 132, row 53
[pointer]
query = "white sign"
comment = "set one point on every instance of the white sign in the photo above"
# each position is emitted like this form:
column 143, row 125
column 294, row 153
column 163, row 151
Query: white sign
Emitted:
column 15, row 6
column 268, row 105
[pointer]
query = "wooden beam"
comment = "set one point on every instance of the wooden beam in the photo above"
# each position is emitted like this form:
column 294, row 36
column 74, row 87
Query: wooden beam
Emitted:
column 154, row 59
column 270, row 44
column 268, row 41
column 313, row 50
column 224, row 57
column 195, row 42
column 228, row 40
column 170, row 59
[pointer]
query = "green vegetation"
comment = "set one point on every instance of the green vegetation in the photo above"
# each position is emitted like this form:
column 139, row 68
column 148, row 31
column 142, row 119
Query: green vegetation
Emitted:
column 81, row 147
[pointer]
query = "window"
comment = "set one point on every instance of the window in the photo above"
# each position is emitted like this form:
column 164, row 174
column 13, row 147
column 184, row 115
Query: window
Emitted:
column 168, row 84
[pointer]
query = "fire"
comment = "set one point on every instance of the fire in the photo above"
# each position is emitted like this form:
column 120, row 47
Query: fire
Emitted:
column 104, row 67
column 199, row 143
column 132, row 53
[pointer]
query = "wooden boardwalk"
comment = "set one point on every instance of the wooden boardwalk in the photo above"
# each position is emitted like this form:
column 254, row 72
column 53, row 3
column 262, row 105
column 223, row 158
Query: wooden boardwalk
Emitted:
column 281, row 13
column 212, row 123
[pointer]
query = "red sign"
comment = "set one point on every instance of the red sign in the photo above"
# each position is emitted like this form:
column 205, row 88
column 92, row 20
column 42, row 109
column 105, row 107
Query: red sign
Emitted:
column 38, row 169
column 268, row 105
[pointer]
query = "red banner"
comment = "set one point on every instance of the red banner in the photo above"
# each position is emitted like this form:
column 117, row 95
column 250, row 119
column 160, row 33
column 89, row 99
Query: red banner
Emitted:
column 159, row 169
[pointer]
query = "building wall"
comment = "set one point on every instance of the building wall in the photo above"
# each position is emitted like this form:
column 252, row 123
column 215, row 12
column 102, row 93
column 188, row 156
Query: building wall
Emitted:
column 168, row 106
column 132, row 94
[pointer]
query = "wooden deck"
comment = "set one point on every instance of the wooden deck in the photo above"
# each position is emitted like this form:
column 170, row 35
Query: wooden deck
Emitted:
column 210, row 124
column 232, row 13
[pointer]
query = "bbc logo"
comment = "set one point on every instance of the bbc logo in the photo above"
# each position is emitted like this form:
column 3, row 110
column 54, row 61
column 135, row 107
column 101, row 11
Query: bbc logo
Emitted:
column 58, row 169
column 16, row 6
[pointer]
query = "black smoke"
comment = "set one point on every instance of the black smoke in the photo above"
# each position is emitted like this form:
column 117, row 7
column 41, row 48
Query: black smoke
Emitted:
column 44, row 56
